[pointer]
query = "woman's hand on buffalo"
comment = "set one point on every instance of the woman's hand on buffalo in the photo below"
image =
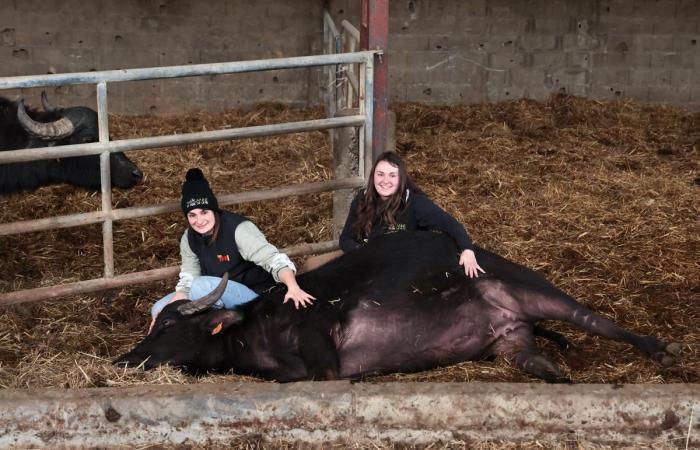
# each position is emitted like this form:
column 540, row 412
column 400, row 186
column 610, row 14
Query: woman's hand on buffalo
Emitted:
column 299, row 297
column 471, row 267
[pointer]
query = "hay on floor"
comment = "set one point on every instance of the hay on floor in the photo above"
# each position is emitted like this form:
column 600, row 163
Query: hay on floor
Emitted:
column 602, row 198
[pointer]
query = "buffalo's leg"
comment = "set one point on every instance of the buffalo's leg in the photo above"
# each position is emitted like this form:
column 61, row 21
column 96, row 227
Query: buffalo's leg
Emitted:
column 540, row 365
column 519, row 344
column 318, row 353
column 559, row 306
column 558, row 338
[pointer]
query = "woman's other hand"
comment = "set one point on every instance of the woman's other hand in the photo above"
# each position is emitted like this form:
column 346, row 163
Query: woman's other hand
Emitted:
column 471, row 267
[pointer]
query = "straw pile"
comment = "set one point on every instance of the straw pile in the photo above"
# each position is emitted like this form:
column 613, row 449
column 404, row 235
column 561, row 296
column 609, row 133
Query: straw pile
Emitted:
column 602, row 198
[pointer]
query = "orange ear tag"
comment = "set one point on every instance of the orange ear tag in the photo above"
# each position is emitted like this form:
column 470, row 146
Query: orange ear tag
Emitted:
column 217, row 328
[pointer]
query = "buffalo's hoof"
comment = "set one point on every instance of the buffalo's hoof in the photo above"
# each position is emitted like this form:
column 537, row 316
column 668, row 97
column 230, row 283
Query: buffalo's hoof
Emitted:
column 674, row 348
column 671, row 351
column 668, row 356
column 667, row 361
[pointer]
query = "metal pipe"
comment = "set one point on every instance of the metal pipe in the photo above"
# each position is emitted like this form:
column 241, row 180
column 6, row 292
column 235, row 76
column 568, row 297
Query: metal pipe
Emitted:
column 153, row 73
column 352, row 77
column 375, row 35
column 338, row 75
column 370, row 141
column 102, row 113
column 107, row 228
column 148, row 276
column 362, row 107
column 327, row 19
column 354, row 32
column 332, row 82
column 326, row 69
column 75, row 220
column 83, row 287
column 124, row 145
column 105, row 182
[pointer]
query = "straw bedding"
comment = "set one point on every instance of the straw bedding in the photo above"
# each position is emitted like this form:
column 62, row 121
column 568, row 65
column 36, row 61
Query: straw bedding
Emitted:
column 601, row 198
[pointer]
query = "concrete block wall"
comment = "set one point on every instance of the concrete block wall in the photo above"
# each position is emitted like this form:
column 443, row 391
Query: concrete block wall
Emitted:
column 60, row 36
column 468, row 51
column 441, row 51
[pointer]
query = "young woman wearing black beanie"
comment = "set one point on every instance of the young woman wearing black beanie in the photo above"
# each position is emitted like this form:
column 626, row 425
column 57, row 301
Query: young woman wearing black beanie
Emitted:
column 218, row 242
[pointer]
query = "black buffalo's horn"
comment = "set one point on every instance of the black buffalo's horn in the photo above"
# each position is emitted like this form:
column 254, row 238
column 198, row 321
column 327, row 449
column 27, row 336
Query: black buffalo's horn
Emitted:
column 206, row 302
column 48, row 107
column 58, row 129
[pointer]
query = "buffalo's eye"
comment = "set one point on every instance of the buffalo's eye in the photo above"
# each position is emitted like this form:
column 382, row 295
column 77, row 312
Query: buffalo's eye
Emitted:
column 167, row 323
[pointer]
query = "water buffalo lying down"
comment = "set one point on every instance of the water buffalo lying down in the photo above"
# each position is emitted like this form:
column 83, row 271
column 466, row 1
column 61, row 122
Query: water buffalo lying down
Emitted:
column 21, row 128
column 399, row 304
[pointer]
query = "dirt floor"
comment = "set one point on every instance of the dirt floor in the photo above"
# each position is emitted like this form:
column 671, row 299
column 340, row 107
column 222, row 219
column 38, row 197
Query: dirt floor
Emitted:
column 601, row 198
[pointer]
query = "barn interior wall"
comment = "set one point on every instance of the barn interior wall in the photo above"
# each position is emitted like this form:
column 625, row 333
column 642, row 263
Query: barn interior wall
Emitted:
column 60, row 36
column 441, row 51
column 468, row 51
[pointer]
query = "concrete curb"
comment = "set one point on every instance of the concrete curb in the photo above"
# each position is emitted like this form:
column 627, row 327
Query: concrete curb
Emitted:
column 318, row 412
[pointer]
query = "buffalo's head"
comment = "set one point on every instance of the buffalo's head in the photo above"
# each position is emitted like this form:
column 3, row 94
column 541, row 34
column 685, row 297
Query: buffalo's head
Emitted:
column 191, row 343
column 77, row 125
column 186, row 337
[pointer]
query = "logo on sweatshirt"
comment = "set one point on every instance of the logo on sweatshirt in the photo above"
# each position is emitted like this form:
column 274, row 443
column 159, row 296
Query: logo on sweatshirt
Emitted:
column 396, row 227
column 223, row 258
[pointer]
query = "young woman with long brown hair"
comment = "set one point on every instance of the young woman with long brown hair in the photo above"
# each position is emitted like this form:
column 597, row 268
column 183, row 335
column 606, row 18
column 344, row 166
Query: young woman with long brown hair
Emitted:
column 392, row 202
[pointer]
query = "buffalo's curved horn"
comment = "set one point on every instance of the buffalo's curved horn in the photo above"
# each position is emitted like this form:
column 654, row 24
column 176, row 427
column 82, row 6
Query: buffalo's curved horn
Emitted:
column 48, row 107
column 206, row 302
column 57, row 129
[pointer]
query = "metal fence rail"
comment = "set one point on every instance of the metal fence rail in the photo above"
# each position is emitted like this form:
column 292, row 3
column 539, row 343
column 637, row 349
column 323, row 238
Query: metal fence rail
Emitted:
column 191, row 70
column 96, row 148
column 104, row 148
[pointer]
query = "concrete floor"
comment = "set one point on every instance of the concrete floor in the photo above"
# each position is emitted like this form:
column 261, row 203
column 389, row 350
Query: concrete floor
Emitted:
column 322, row 412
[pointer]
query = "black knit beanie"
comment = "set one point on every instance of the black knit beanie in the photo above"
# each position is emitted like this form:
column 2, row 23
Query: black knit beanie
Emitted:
column 196, row 192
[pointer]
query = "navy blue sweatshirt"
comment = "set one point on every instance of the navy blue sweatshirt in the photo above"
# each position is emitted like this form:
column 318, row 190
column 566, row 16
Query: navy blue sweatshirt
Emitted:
column 420, row 213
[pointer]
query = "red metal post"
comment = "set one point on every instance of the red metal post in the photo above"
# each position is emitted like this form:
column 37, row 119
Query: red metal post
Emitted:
column 374, row 35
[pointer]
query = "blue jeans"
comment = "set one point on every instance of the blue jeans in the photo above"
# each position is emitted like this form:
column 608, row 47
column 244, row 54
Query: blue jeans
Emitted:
column 234, row 295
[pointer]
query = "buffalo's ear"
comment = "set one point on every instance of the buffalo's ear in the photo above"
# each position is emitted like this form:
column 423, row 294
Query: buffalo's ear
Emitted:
column 222, row 319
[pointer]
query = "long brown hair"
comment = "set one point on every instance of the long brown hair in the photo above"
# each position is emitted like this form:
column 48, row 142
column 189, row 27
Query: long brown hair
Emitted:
column 372, row 209
column 215, row 230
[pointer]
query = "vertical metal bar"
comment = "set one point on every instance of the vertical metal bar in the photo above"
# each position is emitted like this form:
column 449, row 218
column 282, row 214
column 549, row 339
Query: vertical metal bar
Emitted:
column 338, row 73
column 326, row 69
column 329, row 48
column 364, row 25
column 352, row 46
column 374, row 35
column 331, row 81
column 362, row 108
column 106, row 181
column 370, row 151
column 343, row 68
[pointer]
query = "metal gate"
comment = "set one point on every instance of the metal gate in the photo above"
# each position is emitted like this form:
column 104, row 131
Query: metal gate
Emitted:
column 107, row 215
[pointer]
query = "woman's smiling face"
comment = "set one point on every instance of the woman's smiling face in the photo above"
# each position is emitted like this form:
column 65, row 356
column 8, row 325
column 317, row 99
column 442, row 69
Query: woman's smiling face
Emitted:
column 386, row 179
column 201, row 220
